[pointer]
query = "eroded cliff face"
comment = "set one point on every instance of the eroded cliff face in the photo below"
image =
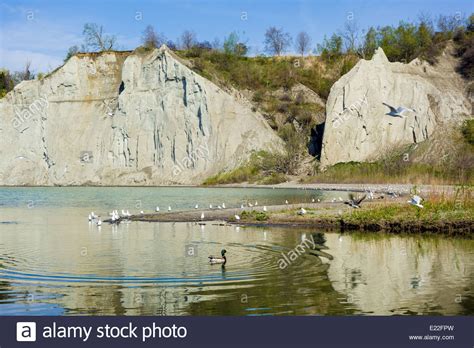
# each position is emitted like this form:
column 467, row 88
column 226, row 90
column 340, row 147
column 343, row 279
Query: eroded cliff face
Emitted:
column 121, row 118
column 357, row 127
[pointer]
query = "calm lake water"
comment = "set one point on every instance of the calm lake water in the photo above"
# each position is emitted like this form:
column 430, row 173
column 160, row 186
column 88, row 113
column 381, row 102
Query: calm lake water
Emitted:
column 53, row 262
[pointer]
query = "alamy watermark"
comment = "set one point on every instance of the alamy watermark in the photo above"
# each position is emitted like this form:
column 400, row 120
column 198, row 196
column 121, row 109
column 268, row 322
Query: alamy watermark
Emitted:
column 36, row 108
column 348, row 112
column 293, row 254
column 201, row 152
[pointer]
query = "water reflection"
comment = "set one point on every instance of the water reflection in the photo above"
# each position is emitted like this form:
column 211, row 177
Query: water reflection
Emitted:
column 58, row 264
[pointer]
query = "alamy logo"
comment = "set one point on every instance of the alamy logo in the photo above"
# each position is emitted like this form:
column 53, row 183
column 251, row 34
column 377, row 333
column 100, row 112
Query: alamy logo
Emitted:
column 26, row 331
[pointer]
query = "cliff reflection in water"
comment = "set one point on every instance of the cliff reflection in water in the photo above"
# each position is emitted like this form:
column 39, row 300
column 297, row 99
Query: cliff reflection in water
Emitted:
column 388, row 275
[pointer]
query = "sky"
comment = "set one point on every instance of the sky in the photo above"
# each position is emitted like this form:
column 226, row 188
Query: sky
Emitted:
column 41, row 31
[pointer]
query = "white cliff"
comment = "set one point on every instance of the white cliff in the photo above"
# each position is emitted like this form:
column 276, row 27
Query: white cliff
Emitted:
column 357, row 127
column 121, row 118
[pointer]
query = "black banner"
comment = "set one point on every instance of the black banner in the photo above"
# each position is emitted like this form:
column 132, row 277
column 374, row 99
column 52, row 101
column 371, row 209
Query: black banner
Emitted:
column 237, row 332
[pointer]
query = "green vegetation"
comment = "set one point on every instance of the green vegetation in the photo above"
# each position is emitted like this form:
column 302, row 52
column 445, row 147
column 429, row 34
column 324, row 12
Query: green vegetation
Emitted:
column 464, row 40
column 6, row 82
column 381, row 172
column 468, row 131
column 443, row 208
column 262, row 168
column 265, row 74
column 451, row 213
column 254, row 215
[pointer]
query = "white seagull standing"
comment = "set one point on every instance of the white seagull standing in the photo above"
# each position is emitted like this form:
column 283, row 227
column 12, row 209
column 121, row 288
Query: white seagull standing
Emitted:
column 169, row 207
column 237, row 217
column 398, row 112
column 264, row 208
column 196, row 206
column 416, row 201
column 302, row 211
column 157, row 209
column 202, row 216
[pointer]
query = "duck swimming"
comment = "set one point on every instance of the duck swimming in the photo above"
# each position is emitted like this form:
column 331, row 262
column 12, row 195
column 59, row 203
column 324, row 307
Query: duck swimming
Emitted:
column 221, row 260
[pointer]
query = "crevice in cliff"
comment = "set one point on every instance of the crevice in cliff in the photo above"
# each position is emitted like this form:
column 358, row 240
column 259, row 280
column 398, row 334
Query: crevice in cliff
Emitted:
column 199, row 115
column 316, row 141
column 185, row 92
column 173, row 149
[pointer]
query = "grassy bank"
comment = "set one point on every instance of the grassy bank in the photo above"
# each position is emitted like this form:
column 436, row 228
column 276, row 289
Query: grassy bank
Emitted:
column 262, row 168
column 453, row 215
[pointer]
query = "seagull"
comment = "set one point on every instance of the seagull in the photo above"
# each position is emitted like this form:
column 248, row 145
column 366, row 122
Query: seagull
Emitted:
column 141, row 212
column 398, row 112
column 169, row 207
column 196, row 206
column 286, row 201
column 371, row 194
column 237, row 217
column 416, row 201
column 319, row 200
column 223, row 205
column 219, row 207
column 312, row 201
column 256, row 203
column 93, row 215
column 250, row 204
column 99, row 222
column 302, row 211
column 202, row 216
column 264, row 208
column 210, row 206
column 241, row 206
column 157, row 209
column 340, row 199
column 90, row 217
column 354, row 202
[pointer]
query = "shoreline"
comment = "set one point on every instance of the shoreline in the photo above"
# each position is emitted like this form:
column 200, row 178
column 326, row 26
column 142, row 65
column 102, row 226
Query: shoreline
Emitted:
column 324, row 215
column 355, row 187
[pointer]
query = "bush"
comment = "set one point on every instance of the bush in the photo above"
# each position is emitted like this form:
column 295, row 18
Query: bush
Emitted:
column 254, row 215
column 468, row 131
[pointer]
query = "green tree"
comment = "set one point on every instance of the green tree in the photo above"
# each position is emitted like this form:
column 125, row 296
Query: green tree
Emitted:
column 233, row 46
column 6, row 82
column 331, row 48
column 370, row 43
column 71, row 52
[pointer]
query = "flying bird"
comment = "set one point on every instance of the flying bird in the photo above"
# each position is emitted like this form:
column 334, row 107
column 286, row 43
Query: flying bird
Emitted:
column 354, row 202
column 398, row 112
column 416, row 201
